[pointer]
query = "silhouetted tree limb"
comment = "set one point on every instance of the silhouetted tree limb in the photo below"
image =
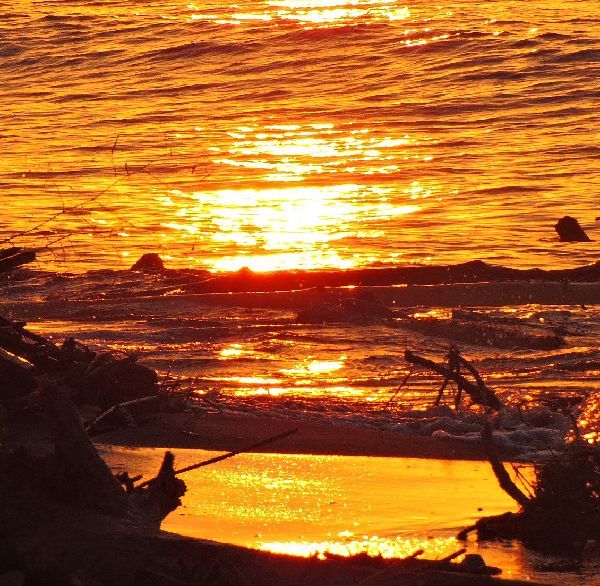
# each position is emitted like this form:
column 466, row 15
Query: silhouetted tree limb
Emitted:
column 479, row 392
column 504, row 479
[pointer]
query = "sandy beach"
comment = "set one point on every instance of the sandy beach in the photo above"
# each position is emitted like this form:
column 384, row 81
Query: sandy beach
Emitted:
column 236, row 431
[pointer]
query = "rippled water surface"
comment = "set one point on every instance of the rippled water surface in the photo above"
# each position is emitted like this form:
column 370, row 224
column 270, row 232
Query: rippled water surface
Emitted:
column 299, row 133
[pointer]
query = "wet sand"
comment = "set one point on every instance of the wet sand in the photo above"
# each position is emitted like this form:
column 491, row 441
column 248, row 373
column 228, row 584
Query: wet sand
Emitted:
column 234, row 431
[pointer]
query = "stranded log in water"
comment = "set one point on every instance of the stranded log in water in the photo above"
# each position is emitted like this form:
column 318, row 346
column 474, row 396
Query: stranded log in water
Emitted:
column 477, row 390
column 470, row 272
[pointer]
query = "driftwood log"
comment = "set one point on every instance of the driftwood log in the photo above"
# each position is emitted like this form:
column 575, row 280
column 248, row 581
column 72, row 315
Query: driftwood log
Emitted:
column 478, row 391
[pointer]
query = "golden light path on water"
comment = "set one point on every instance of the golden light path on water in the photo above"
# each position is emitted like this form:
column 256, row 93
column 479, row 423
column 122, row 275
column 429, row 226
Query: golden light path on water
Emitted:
column 300, row 227
column 319, row 13
column 311, row 153
column 306, row 505
column 284, row 228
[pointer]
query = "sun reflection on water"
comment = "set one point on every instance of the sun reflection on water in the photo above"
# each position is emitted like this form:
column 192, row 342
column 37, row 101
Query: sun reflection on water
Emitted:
column 293, row 152
column 314, row 193
column 313, row 13
column 348, row 545
column 313, row 366
column 293, row 227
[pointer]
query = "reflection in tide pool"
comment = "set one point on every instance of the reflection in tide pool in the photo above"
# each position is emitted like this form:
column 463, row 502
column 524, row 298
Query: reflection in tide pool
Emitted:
column 310, row 505
column 307, row 505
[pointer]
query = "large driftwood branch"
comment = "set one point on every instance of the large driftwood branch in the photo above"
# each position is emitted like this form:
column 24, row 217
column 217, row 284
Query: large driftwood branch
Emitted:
column 504, row 479
column 33, row 348
column 119, row 408
column 147, row 507
column 480, row 393
column 222, row 457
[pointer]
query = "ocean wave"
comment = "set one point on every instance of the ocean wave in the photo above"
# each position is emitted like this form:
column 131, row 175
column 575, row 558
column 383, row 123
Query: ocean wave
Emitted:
column 582, row 56
column 350, row 33
column 10, row 50
column 507, row 189
column 199, row 49
column 475, row 95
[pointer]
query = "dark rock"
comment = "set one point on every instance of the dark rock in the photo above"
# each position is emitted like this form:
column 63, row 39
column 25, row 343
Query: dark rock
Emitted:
column 149, row 263
column 473, row 563
column 569, row 230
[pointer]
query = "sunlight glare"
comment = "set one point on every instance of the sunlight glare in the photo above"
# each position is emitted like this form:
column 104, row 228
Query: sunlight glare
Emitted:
column 286, row 228
column 370, row 545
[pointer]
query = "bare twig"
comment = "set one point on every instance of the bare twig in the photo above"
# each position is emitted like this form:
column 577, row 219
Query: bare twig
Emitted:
column 81, row 204
column 216, row 459
column 402, row 384
column 480, row 393
column 119, row 407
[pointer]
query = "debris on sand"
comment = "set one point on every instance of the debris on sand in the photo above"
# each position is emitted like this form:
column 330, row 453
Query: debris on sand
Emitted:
column 102, row 379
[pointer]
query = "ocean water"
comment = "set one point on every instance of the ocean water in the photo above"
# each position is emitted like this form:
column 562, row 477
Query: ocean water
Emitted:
column 299, row 133
column 292, row 134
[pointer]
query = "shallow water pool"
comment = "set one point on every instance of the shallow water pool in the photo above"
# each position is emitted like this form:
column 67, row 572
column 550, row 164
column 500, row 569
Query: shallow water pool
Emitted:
column 304, row 504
